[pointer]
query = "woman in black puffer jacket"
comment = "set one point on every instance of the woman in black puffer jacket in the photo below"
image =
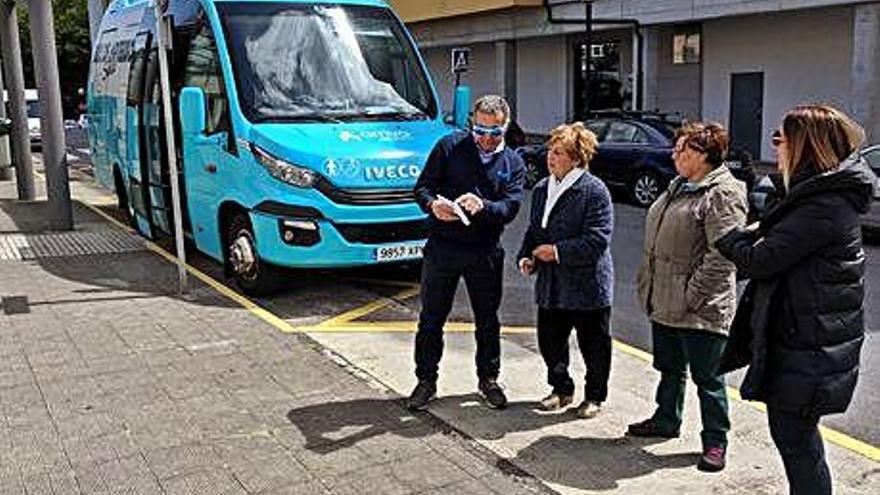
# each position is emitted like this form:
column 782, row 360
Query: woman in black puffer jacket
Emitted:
column 803, row 307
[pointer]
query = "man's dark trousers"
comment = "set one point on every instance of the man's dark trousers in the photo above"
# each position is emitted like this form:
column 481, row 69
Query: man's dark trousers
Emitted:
column 443, row 265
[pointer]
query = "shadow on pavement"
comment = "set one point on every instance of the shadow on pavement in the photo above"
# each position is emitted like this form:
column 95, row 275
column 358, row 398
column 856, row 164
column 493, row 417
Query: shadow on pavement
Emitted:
column 582, row 463
column 595, row 464
column 331, row 426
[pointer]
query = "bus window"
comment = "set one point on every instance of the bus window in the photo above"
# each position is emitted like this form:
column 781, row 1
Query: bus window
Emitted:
column 136, row 72
column 203, row 70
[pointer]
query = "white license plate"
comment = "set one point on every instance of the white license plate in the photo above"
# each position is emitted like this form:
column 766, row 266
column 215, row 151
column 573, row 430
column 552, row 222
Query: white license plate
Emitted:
column 399, row 252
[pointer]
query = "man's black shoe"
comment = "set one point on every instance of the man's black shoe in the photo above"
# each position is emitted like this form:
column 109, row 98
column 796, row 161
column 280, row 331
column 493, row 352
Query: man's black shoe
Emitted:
column 424, row 392
column 493, row 394
column 650, row 429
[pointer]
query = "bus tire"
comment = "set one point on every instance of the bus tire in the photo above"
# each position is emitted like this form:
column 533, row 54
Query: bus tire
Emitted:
column 253, row 276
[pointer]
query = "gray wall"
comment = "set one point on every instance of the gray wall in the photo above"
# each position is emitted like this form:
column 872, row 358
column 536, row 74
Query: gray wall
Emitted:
column 543, row 82
column 806, row 56
column 670, row 87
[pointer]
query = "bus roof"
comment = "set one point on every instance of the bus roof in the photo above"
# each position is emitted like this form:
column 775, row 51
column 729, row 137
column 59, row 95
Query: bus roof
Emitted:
column 123, row 4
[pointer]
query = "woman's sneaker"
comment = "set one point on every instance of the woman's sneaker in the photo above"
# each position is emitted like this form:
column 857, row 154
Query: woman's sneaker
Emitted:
column 555, row 402
column 589, row 409
column 650, row 429
column 712, row 460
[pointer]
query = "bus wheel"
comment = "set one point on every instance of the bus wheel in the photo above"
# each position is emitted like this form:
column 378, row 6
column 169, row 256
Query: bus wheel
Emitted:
column 252, row 275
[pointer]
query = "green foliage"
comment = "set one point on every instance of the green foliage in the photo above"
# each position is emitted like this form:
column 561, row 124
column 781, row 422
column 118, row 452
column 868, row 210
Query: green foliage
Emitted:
column 72, row 44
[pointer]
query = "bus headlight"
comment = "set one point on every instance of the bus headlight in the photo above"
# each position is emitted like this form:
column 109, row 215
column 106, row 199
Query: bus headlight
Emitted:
column 282, row 170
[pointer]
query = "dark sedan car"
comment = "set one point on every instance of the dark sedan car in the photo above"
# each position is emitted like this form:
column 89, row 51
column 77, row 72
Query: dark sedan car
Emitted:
column 635, row 155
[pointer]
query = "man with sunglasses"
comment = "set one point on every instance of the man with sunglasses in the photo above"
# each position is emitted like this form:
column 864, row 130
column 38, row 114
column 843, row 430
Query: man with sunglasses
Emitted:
column 477, row 172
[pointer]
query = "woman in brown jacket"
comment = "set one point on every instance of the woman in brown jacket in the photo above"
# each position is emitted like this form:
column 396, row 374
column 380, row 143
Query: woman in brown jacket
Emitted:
column 689, row 290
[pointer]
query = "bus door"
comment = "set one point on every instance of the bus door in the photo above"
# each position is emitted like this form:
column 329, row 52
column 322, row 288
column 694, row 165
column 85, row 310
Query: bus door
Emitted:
column 136, row 166
column 209, row 160
column 154, row 151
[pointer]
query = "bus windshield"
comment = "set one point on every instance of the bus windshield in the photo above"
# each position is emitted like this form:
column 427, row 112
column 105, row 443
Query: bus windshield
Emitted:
column 323, row 63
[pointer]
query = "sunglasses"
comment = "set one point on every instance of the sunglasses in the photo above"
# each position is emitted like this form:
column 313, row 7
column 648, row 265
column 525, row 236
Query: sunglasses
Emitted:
column 494, row 131
column 776, row 138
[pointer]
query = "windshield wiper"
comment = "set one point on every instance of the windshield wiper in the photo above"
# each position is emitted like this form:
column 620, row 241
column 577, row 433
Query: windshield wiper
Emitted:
column 281, row 119
column 397, row 116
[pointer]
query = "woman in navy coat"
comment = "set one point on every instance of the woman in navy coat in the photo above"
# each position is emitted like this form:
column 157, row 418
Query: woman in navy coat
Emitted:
column 568, row 245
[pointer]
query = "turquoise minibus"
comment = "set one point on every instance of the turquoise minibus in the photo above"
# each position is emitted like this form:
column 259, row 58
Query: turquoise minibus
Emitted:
column 301, row 127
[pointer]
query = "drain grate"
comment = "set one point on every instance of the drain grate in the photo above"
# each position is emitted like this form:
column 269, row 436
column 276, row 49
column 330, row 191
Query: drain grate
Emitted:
column 24, row 247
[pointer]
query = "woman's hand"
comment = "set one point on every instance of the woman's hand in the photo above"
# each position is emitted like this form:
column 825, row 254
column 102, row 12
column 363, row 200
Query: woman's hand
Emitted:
column 545, row 253
column 527, row 266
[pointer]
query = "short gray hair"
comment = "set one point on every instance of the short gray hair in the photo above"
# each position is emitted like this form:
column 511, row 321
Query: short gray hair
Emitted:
column 493, row 105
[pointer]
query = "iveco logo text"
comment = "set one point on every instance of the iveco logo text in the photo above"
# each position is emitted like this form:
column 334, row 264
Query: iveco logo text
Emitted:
column 392, row 172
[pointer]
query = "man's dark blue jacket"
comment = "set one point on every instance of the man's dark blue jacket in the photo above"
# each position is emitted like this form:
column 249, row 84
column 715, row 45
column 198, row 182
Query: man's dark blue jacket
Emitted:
column 580, row 227
column 454, row 168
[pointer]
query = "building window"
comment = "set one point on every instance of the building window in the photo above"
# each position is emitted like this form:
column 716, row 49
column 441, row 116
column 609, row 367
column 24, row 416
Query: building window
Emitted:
column 686, row 47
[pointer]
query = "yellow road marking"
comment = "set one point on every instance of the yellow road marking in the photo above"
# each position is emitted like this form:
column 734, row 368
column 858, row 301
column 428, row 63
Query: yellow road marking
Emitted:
column 402, row 327
column 370, row 307
column 840, row 439
column 255, row 309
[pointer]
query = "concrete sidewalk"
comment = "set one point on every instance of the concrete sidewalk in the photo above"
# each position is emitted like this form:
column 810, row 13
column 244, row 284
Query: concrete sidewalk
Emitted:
column 112, row 384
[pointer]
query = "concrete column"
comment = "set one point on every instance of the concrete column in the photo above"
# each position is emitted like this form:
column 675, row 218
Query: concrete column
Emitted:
column 651, row 50
column 5, row 162
column 505, row 71
column 21, row 143
column 866, row 69
column 96, row 12
column 51, row 121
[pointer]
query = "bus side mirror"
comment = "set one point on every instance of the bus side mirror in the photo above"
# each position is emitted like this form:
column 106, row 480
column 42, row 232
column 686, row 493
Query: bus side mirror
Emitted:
column 192, row 110
column 5, row 127
column 462, row 106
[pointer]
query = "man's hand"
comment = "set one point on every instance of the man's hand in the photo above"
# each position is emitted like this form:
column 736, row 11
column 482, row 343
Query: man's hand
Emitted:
column 527, row 266
column 470, row 202
column 545, row 253
column 443, row 211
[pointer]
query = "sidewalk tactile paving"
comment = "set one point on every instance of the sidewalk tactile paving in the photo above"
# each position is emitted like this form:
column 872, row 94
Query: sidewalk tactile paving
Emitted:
column 26, row 247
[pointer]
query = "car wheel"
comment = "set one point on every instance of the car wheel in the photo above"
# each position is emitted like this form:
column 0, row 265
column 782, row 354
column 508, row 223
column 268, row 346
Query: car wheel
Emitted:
column 533, row 173
column 253, row 276
column 645, row 188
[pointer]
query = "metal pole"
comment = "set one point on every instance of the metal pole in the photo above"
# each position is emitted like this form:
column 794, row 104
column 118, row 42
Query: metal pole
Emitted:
column 636, row 67
column 5, row 171
column 588, row 57
column 51, row 118
column 163, row 29
column 96, row 12
column 21, row 143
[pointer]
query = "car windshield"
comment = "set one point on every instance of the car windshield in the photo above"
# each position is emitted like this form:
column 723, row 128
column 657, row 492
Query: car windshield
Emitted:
column 324, row 63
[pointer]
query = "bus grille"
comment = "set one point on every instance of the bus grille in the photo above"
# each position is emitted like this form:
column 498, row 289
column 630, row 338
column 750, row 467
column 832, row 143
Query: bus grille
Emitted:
column 364, row 196
column 381, row 233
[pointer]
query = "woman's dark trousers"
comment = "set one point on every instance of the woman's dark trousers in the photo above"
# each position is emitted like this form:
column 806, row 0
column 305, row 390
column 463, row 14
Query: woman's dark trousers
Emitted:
column 594, row 340
column 803, row 454
column 676, row 350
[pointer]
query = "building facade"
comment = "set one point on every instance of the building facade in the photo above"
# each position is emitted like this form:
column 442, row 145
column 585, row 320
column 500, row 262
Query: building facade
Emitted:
column 740, row 62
